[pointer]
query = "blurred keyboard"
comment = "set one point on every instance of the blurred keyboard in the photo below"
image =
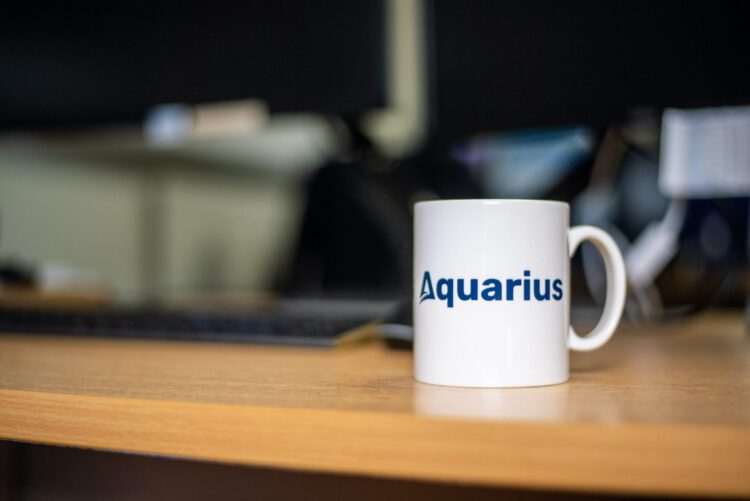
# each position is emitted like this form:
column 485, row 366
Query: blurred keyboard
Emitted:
column 321, row 323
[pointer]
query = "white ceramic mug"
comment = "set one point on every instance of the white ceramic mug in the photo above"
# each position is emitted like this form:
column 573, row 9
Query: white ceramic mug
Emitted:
column 492, row 292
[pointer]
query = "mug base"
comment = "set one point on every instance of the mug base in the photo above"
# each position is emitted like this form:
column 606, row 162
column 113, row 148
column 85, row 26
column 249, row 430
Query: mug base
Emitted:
column 515, row 384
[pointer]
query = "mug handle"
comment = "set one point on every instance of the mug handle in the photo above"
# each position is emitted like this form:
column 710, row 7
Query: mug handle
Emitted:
column 616, row 287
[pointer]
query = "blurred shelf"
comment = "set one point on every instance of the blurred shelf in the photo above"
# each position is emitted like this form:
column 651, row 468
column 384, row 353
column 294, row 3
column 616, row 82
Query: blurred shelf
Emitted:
column 284, row 144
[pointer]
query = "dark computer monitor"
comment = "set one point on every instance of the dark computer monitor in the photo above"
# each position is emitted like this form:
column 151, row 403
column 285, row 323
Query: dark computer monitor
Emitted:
column 507, row 64
column 81, row 63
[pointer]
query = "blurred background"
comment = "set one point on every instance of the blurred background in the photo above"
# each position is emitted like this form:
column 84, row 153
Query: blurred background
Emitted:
column 157, row 150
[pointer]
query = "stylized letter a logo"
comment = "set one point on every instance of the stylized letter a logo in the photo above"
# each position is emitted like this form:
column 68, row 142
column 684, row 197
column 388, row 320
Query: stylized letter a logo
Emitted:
column 427, row 290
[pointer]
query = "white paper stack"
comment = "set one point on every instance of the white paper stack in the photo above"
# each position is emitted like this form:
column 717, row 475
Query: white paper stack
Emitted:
column 705, row 153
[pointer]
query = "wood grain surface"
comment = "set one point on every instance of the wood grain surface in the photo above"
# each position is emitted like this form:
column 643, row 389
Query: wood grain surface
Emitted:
column 659, row 410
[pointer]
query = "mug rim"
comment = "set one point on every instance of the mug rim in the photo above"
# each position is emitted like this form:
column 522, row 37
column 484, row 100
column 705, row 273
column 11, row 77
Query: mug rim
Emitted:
column 494, row 201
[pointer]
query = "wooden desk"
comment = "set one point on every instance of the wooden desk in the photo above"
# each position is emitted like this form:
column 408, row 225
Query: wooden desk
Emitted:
column 657, row 411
